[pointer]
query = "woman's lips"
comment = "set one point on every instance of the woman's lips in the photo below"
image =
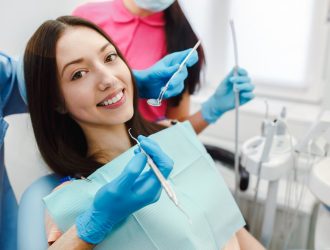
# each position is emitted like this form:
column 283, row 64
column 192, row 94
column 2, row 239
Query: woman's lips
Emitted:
column 117, row 103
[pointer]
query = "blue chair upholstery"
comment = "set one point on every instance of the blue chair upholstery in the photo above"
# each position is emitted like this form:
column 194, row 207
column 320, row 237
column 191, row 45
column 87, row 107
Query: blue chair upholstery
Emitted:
column 30, row 226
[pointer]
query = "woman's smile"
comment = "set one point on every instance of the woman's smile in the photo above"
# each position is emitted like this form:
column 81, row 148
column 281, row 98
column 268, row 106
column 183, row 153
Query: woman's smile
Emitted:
column 114, row 100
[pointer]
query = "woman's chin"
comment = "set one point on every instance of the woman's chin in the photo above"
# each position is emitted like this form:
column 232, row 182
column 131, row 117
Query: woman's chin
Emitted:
column 124, row 117
column 130, row 115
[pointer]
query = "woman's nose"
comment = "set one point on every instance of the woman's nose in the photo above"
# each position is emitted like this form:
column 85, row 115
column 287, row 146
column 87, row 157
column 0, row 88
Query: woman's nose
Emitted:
column 106, row 85
column 106, row 79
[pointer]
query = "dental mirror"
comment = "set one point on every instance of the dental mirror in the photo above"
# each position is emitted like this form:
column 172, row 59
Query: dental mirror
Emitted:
column 157, row 102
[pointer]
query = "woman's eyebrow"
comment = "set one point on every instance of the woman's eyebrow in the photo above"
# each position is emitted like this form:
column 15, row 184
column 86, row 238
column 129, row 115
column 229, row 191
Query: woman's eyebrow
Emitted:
column 70, row 63
column 81, row 59
column 105, row 46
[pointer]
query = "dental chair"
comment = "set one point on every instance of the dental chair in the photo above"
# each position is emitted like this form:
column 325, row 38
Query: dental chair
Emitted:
column 31, row 181
column 31, row 233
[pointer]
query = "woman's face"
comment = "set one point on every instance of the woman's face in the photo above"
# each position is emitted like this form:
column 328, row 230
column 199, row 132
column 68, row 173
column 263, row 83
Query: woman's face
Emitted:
column 95, row 82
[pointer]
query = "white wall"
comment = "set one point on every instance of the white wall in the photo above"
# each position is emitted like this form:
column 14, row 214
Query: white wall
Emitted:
column 20, row 18
column 204, row 17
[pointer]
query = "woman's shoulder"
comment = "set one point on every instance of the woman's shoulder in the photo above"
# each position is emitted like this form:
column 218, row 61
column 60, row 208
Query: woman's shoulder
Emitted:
column 52, row 231
column 63, row 184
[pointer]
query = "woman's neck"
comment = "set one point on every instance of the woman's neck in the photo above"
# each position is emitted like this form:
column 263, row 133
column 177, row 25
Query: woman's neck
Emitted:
column 136, row 10
column 107, row 143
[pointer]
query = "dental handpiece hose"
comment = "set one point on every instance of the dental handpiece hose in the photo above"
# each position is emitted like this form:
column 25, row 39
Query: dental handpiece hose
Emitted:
column 236, row 93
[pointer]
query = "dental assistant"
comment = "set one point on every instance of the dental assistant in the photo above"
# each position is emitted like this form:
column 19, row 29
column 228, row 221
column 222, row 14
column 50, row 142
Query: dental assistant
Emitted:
column 145, row 31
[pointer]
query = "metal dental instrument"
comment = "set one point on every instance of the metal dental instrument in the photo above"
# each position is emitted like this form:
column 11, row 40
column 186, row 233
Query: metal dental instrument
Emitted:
column 157, row 102
column 165, row 184
column 236, row 92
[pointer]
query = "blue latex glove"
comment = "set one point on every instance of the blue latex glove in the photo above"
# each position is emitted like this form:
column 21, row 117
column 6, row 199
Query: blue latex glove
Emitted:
column 11, row 72
column 7, row 77
column 151, row 80
column 129, row 192
column 223, row 98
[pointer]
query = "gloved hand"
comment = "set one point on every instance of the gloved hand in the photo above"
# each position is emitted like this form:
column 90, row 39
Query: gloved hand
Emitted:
column 11, row 71
column 127, row 193
column 223, row 99
column 7, row 76
column 151, row 80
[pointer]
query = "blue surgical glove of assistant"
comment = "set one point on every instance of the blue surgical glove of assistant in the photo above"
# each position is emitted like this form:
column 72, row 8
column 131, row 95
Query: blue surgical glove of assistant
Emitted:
column 150, row 81
column 223, row 98
column 132, row 190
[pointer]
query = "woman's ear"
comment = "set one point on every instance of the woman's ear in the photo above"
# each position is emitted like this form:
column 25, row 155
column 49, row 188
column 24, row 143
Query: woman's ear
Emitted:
column 61, row 109
column 60, row 105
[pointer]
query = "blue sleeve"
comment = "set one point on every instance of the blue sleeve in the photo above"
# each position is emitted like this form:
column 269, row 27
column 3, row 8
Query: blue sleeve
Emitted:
column 11, row 79
column 8, row 210
column 10, row 102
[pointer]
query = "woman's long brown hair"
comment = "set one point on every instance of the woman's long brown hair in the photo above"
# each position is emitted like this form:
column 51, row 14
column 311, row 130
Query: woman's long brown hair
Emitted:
column 60, row 139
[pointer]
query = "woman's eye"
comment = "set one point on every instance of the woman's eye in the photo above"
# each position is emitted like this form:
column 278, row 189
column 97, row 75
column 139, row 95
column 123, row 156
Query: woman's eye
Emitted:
column 111, row 57
column 78, row 75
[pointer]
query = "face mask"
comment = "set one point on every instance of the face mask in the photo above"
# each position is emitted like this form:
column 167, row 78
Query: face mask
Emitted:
column 154, row 5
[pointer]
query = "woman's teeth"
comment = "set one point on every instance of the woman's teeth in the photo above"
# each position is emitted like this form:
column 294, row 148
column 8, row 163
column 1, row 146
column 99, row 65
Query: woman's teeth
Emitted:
column 113, row 99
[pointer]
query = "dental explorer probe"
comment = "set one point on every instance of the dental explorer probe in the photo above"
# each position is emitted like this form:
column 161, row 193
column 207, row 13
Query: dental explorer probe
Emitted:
column 157, row 102
column 167, row 187
column 236, row 92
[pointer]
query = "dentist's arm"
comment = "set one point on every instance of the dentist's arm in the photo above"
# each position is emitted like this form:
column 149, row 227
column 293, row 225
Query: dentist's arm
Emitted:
column 222, row 101
column 11, row 81
column 115, row 201
column 223, row 98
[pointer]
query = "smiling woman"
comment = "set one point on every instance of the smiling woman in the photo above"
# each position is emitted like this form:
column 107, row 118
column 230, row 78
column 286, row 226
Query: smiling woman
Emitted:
column 95, row 82
column 91, row 102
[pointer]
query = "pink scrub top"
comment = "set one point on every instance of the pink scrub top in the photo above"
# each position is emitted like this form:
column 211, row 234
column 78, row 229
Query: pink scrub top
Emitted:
column 142, row 40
